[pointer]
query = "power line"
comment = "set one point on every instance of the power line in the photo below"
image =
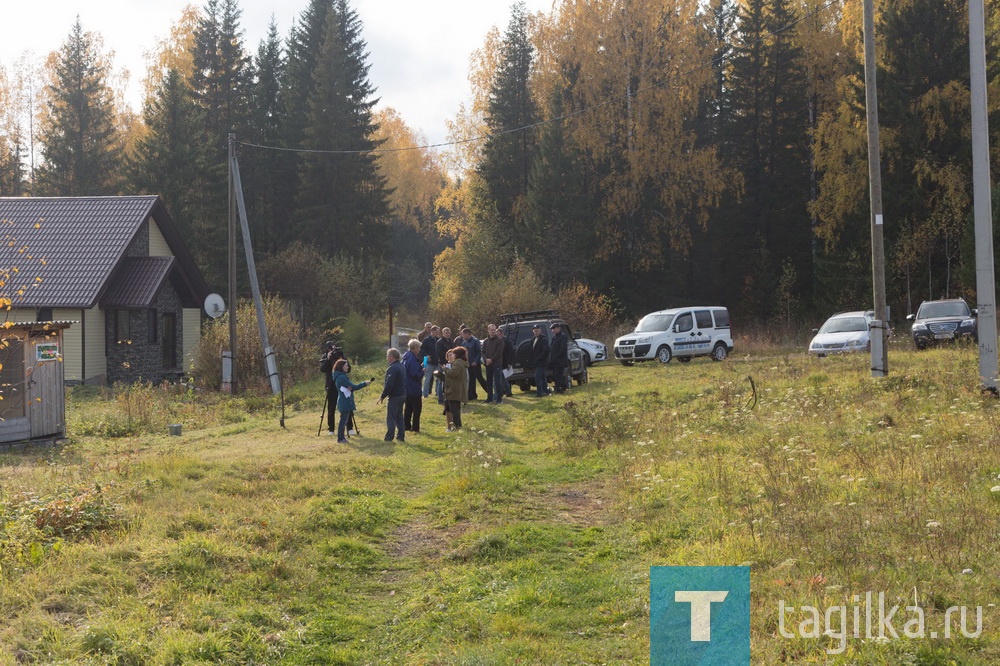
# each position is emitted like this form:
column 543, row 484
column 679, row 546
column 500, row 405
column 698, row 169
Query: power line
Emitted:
column 557, row 119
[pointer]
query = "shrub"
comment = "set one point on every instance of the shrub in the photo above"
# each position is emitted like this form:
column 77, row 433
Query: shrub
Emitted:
column 294, row 348
column 357, row 340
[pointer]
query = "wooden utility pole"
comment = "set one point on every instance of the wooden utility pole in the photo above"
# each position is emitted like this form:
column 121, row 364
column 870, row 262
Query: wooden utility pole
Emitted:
column 880, row 352
column 982, row 204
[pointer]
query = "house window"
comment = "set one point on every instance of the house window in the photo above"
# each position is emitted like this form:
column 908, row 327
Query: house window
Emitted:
column 169, row 340
column 151, row 325
column 44, row 314
column 12, row 385
column 123, row 326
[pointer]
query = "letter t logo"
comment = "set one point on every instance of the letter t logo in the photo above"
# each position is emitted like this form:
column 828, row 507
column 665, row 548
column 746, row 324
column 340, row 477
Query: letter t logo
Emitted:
column 701, row 610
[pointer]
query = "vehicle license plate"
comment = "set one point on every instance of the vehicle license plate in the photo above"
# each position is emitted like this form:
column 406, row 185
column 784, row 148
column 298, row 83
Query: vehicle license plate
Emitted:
column 943, row 336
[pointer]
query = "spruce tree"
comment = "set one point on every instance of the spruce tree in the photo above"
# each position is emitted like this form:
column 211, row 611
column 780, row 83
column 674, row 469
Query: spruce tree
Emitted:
column 222, row 72
column 80, row 139
column 174, row 160
column 261, row 168
column 768, row 142
column 509, row 152
column 342, row 200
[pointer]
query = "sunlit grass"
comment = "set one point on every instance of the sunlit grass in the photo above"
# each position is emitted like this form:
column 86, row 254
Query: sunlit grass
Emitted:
column 525, row 538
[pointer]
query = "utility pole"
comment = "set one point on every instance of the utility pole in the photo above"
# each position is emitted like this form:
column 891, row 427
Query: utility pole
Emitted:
column 982, row 204
column 880, row 327
column 232, row 270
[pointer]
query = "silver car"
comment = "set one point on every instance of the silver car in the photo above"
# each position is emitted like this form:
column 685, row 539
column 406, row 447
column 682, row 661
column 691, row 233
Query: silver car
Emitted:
column 842, row 333
column 593, row 351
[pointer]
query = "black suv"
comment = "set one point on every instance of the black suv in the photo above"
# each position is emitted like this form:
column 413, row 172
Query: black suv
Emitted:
column 517, row 328
column 938, row 321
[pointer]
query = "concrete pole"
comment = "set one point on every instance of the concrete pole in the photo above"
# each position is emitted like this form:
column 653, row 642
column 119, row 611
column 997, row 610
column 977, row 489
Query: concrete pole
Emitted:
column 880, row 351
column 232, row 263
column 982, row 204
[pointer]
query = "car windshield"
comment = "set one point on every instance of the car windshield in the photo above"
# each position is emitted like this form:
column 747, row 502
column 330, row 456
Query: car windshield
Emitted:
column 654, row 323
column 949, row 309
column 844, row 325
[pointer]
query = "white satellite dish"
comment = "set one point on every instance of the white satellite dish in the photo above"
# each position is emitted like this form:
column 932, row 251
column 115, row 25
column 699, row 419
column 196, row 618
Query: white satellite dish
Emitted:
column 215, row 307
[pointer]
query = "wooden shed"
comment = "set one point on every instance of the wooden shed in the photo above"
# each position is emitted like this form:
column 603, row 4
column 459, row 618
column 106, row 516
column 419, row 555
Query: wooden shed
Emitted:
column 32, row 398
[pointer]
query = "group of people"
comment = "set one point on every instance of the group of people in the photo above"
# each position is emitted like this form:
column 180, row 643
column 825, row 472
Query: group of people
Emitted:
column 450, row 369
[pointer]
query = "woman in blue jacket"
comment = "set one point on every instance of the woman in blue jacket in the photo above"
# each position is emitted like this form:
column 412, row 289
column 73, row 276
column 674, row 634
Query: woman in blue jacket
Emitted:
column 414, row 370
column 345, row 396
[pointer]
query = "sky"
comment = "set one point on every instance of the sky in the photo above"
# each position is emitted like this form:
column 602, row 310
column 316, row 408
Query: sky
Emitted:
column 418, row 49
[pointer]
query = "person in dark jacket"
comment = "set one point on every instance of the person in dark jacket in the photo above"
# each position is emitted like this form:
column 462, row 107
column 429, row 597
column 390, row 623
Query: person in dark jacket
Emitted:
column 493, row 360
column 443, row 346
column 508, row 360
column 429, row 358
column 345, row 396
column 539, row 360
column 474, row 349
column 559, row 357
column 414, row 379
column 395, row 391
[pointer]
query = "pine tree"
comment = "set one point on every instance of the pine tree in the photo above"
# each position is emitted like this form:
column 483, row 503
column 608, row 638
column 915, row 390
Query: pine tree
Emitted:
column 342, row 202
column 80, row 140
column 508, row 153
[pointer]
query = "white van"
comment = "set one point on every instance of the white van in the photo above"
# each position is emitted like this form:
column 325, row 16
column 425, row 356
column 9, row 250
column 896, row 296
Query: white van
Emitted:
column 681, row 332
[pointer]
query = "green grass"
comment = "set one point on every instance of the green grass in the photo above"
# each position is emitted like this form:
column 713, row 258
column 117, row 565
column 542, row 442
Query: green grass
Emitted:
column 524, row 539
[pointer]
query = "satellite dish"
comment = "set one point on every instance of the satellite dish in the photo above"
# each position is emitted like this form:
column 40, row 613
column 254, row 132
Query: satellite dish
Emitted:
column 214, row 306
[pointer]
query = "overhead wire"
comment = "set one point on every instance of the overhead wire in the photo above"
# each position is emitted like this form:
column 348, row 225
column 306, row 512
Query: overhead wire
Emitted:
column 566, row 116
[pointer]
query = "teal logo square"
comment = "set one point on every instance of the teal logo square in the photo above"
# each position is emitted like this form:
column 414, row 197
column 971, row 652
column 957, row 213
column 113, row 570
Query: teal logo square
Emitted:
column 699, row 616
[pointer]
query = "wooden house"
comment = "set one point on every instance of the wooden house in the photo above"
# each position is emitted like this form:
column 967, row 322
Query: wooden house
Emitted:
column 118, row 268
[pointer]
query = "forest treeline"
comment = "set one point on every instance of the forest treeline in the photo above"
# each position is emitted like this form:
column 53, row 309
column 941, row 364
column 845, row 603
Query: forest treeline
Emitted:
column 615, row 157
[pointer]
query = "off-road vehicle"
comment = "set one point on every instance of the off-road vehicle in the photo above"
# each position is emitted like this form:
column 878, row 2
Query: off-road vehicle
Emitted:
column 517, row 328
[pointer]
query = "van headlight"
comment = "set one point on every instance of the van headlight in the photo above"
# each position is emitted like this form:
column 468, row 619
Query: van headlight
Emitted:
column 855, row 343
column 644, row 341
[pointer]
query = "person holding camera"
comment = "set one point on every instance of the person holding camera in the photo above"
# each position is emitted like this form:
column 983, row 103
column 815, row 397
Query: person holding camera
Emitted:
column 429, row 359
column 345, row 396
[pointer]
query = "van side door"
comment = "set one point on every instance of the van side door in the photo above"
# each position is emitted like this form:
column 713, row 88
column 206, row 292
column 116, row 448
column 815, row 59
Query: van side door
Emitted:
column 703, row 328
column 682, row 334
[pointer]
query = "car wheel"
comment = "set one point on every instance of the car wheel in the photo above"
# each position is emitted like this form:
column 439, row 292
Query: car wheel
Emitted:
column 720, row 352
column 920, row 345
column 663, row 354
column 586, row 359
column 628, row 364
column 581, row 378
column 684, row 359
column 524, row 386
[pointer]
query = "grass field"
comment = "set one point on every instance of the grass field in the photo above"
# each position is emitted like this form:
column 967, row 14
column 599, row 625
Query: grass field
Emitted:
column 524, row 539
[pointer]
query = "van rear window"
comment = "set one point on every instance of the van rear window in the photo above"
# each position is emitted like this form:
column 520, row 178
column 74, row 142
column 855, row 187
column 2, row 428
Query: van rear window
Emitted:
column 721, row 318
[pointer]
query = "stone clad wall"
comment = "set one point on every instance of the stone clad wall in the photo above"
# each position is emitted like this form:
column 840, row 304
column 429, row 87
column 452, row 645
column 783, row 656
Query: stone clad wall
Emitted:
column 143, row 360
